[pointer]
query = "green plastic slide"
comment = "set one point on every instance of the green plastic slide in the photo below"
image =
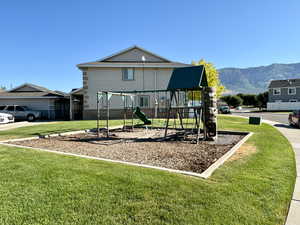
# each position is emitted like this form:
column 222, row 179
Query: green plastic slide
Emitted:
column 142, row 116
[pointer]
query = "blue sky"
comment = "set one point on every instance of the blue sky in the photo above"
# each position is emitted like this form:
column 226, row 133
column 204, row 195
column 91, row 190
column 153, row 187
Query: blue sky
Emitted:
column 42, row 41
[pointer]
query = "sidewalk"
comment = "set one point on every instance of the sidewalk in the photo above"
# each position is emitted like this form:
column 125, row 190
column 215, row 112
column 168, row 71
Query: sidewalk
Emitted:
column 293, row 135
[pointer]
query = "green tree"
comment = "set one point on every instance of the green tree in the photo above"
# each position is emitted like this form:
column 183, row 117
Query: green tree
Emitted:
column 212, row 76
column 248, row 99
column 232, row 100
column 262, row 99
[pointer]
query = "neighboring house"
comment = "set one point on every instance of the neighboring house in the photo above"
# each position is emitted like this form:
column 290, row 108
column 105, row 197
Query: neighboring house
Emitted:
column 51, row 104
column 131, row 69
column 284, row 95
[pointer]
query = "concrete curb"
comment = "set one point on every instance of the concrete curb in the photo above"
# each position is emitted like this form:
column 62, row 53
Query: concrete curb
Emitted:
column 206, row 174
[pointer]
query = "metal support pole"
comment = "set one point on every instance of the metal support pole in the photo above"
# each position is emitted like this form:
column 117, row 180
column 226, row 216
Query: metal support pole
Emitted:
column 132, row 108
column 199, row 128
column 124, row 111
column 204, row 118
column 178, row 110
column 107, row 116
column 168, row 118
column 98, row 114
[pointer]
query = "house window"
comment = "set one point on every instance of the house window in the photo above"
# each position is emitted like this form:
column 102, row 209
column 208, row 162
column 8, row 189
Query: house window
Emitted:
column 293, row 100
column 278, row 100
column 128, row 74
column 144, row 101
column 292, row 91
column 276, row 91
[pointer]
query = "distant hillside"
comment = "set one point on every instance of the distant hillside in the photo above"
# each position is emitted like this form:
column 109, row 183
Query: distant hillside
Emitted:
column 256, row 79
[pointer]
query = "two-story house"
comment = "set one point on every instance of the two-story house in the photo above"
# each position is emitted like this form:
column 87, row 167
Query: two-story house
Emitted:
column 284, row 95
column 131, row 69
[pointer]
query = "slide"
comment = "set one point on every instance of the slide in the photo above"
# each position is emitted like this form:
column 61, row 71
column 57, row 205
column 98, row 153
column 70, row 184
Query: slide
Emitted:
column 142, row 116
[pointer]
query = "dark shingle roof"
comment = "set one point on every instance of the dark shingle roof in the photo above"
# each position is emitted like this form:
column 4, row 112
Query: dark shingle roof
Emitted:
column 284, row 83
column 40, row 92
column 24, row 94
column 190, row 78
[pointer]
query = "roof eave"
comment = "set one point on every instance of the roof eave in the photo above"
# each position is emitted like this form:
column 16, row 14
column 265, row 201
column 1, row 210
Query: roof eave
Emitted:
column 135, row 65
column 33, row 97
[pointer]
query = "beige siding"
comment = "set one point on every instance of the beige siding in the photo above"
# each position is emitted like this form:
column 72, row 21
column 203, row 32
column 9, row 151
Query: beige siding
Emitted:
column 110, row 79
column 25, row 88
column 134, row 55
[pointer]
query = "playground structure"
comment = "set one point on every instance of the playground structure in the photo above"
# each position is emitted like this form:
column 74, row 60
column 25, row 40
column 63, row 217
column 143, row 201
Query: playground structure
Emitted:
column 187, row 106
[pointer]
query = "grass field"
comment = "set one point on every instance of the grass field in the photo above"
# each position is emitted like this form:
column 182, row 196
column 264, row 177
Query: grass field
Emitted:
column 65, row 126
column 44, row 188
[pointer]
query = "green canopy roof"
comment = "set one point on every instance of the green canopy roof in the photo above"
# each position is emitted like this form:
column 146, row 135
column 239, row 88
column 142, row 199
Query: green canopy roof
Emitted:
column 188, row 78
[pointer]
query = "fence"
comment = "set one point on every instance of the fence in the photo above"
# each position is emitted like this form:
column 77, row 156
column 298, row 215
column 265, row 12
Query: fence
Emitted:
column 273, row 106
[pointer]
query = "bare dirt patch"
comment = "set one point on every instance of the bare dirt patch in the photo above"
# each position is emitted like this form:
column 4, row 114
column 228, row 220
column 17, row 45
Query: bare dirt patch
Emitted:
column 142, row 146
column 243, row 151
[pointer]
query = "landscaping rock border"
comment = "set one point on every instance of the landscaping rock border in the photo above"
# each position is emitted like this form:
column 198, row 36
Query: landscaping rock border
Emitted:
column 206, row 174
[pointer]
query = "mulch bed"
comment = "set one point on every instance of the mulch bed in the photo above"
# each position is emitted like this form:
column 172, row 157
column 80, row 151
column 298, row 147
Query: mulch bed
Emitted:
column 141, row 146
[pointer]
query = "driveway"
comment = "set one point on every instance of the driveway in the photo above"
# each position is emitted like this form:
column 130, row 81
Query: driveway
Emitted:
column 20, row 124
column 277, row 117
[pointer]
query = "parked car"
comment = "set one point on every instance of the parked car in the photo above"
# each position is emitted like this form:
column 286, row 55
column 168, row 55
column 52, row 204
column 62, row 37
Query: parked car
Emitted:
column 224, row 109
column 6, row 118
column 21, row 112
column 294, row 118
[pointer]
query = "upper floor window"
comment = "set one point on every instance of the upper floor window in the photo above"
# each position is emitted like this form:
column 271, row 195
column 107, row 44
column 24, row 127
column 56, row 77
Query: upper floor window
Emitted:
column 291, row 90
column 276, row 91
column 128, row 74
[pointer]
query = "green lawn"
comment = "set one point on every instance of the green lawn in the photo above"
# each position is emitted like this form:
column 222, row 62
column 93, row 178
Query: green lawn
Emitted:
column 45, row 188
column 51, row 128
column 65, row 126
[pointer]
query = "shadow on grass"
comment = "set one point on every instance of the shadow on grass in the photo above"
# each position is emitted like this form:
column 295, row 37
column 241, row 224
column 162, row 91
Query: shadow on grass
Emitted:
column 285, row 126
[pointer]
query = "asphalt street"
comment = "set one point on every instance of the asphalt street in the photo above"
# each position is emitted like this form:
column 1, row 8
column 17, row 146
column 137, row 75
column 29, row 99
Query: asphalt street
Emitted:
column 277, row 117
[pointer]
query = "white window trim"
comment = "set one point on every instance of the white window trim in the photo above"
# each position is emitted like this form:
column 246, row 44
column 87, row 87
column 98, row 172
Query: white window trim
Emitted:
column 293, row 89
column 293, row 100
column 123, row 77
column 278, row 89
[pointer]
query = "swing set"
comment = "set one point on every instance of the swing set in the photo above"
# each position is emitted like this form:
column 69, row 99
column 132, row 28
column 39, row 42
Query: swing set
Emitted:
column 177, row 108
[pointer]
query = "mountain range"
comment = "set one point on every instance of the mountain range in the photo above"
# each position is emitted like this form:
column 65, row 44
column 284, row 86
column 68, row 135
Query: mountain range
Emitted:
column 256, row 79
